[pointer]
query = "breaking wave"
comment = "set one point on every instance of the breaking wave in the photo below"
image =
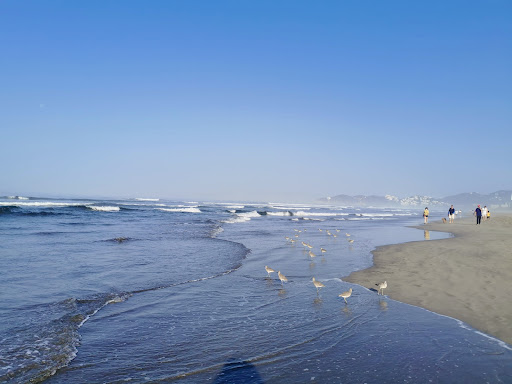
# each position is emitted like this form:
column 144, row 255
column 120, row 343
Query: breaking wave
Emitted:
column 32, row 355
column 183, row 210
column 103, row 208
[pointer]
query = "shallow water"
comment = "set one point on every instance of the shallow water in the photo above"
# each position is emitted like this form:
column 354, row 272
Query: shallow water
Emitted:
column 183, row 296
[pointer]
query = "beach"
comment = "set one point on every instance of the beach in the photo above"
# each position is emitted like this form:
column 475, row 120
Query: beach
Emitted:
column 146, row 290
column 466, row 277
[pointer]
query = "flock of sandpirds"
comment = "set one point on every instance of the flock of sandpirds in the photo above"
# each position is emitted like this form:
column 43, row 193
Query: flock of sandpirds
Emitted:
column 316, row 283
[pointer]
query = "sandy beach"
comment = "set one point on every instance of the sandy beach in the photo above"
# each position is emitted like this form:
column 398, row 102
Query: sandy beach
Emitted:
column 467, row 277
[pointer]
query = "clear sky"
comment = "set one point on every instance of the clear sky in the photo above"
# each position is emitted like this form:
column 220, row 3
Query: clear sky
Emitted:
column 255, row 100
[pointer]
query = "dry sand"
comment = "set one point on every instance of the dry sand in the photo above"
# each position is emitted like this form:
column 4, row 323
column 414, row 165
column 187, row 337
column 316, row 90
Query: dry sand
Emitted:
column 468, row 277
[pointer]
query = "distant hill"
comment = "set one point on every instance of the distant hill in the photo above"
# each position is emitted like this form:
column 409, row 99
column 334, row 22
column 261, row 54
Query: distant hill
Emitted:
column 500, row 199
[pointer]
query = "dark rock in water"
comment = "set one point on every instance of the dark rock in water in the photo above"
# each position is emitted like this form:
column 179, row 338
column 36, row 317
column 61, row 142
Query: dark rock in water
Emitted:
column 121, row 239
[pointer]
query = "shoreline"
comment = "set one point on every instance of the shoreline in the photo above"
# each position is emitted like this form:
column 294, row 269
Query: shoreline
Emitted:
column 465, row 277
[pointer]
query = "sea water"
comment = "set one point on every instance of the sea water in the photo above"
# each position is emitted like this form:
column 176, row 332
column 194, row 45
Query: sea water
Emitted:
column 148, row 290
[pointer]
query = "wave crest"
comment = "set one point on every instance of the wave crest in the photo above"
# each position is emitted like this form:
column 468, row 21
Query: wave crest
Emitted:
column 183, row 210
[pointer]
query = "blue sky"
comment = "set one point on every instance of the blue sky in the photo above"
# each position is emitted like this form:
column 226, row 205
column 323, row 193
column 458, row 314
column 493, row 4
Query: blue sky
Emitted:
column 255, row 100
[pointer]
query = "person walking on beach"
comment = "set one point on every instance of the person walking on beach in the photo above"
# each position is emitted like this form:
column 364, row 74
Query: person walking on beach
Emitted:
column 451, row 214
column 425, row 215
column 488, row 215
column 478, row 214
column 484, row 212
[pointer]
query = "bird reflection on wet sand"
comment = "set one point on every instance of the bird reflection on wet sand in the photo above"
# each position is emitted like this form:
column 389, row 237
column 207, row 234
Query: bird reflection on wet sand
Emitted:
column 346, row 311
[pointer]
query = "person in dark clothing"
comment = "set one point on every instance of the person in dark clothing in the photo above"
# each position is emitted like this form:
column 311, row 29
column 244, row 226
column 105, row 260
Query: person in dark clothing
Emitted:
column 451, row 214
column 478, row 213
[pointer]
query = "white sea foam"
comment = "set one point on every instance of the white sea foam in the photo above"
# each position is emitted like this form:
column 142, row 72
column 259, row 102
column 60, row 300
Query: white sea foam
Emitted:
column 302, row 213
column 290, row 207
column 40, row 204
column 242, row 217
column 282, row 213
column 146, row 199
column 376, row 214
column 216, row 231
column 249, row 214
column 235, row 206
column 183, row 210
column 103, row 208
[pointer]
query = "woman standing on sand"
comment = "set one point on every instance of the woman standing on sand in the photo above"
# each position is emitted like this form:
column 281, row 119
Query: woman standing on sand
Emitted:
column 425, row 215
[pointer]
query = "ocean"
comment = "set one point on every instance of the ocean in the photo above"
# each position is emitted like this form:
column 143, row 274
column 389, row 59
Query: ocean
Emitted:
column 155, row 291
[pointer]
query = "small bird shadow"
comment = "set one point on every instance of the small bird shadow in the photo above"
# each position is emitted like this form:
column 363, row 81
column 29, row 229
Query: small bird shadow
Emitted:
column 373, row 290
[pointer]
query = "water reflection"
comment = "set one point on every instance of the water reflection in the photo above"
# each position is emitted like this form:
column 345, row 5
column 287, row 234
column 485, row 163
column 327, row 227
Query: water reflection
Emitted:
column 318, row 301
column 426, row 234
column 383, row 305
column 346, row 311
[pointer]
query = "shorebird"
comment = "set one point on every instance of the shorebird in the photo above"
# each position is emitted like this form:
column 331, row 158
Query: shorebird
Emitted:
column 311, row 254
column 318, row 285
column 269, row 270
column 337, row 230
column 347, row 234
column 346, row 295
column 281, row 277
column 350, row 241
column 320, row 229
column 323, row 250
column 381, row 287
column 309, row 246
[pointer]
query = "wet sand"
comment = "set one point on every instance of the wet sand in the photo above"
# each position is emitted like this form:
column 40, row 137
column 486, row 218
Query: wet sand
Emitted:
column 468, row 277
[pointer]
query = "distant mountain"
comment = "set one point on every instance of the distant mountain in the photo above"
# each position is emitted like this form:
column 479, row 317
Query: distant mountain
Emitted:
column 500, row 199
column 388, row 201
